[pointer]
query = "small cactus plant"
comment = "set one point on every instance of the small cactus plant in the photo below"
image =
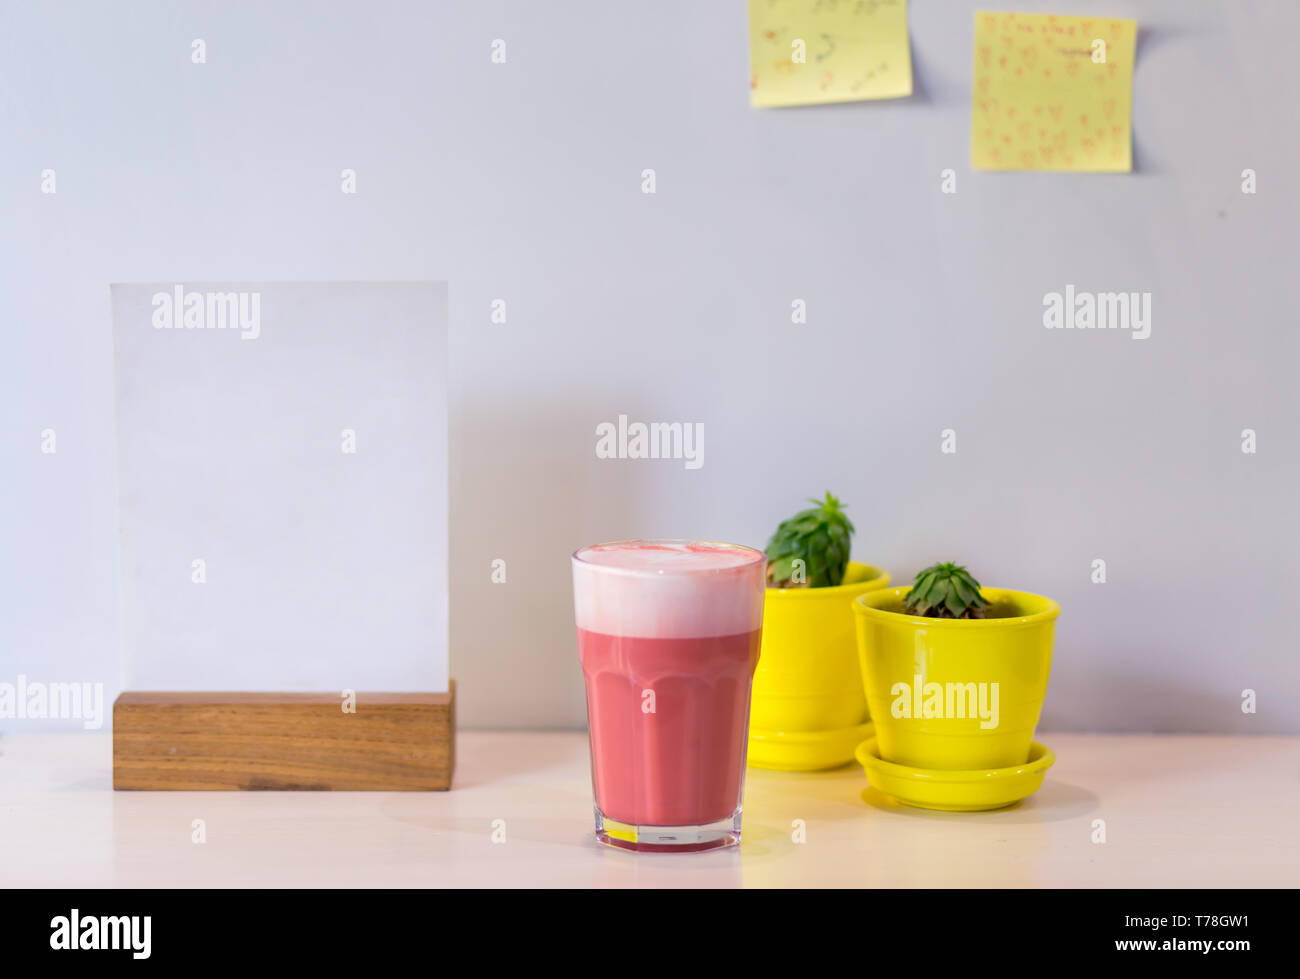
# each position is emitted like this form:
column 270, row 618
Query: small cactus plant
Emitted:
column 946, row 591
column 811, row 549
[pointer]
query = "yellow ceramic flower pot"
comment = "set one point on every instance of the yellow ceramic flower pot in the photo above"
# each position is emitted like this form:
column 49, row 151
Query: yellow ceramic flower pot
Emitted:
column 808, row 711
column 961, row 694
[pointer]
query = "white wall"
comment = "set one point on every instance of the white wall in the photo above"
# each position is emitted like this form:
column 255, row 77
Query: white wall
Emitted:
column 522, row 181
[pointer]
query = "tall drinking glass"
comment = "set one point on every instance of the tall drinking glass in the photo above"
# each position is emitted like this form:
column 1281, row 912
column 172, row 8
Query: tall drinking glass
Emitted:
column 668, row 637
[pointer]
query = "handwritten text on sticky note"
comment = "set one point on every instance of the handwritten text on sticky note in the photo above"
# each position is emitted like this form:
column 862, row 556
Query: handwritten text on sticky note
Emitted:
column 1052, row 92
column 802, row 52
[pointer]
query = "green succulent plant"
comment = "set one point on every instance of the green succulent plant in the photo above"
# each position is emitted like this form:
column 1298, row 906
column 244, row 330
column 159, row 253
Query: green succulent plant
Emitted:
column 946, row 591
column 819, row 538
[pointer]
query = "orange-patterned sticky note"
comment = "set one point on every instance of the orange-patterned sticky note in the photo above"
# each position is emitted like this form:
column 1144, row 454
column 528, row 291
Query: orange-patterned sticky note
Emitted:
column 1052, row 93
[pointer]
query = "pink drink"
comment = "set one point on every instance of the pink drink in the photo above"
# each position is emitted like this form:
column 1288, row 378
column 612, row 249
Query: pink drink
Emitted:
column 668, row 637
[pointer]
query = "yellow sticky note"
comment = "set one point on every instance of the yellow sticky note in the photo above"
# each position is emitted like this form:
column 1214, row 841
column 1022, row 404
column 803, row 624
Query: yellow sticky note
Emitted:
column 802, row 52
column 1052, row 92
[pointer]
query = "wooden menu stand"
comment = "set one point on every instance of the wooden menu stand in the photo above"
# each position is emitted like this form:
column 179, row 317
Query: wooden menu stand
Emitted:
column 193, row 741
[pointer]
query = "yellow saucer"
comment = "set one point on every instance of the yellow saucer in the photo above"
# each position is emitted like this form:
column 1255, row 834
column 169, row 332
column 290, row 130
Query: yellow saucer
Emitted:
column 806, row 751
column 972, row 790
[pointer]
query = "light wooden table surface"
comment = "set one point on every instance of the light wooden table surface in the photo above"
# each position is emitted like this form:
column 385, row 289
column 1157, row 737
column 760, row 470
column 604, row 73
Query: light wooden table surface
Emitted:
column 1178, row 811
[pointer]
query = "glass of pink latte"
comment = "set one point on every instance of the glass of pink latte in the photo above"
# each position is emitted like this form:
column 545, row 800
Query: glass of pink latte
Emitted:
column 668, row 637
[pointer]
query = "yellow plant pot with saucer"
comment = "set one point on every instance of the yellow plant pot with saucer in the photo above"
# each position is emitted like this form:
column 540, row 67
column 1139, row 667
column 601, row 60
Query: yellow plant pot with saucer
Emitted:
column 955, row 695
column 808, row 711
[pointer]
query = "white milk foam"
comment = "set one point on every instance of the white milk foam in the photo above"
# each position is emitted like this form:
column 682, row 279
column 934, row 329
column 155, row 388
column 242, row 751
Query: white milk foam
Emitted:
column 668, row 589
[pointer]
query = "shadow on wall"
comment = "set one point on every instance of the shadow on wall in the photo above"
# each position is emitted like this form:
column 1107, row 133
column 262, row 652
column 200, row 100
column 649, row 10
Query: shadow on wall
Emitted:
column 526, row 492
column 1158, row 704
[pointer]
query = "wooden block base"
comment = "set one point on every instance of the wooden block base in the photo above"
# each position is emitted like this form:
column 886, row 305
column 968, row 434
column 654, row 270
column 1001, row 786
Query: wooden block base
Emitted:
column 195, row 741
